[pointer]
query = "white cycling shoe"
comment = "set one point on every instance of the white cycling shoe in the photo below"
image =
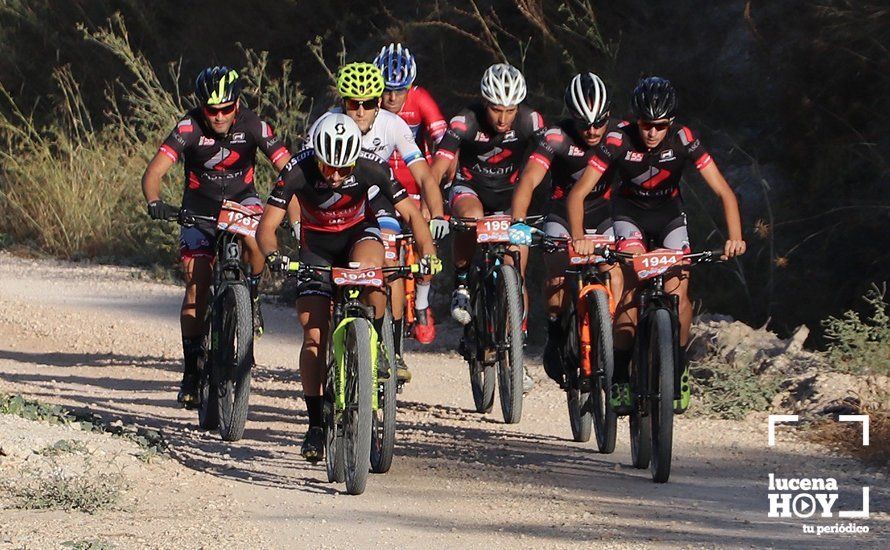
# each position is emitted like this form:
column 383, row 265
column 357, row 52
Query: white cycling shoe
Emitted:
column 460, row 305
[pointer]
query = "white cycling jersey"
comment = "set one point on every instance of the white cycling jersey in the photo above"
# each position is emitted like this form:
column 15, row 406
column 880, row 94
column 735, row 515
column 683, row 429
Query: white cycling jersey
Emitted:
column 389, row 133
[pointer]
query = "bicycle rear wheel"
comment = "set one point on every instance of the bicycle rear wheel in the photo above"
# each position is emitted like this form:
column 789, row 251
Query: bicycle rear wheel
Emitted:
column 208, row 410
column 661, row 412
column 233, row 361
column 482, row 375
column 383, row 428
column 640, row 427
column 358, row 412
column 578, row 402
column 333, row 445
column 508, row 327
column 602, row 360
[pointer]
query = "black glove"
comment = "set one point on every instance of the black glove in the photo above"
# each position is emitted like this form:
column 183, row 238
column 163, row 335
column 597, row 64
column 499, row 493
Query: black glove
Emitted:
column 160, row 210
column 276, row 262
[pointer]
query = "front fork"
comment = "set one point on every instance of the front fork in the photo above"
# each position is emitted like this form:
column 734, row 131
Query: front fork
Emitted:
column 650, row 301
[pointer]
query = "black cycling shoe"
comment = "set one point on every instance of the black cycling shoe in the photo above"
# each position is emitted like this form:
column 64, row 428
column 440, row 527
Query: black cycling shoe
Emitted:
column 258, row 325
column 553, row 358
column 313, row 444
column 403, row 375
column 188, row 390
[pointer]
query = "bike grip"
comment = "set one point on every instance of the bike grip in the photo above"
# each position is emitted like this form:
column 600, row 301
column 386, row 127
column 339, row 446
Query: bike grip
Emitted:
column 293, row 266
column 415, row 268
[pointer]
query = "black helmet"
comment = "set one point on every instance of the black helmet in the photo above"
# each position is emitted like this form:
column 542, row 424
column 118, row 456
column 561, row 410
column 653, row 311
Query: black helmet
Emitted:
column 216, row 85
column 654, row 98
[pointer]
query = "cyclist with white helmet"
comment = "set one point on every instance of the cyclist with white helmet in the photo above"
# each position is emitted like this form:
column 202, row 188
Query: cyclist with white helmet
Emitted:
column 489, row 142
column 217, row 142
column 360, row 86
column 331, row 181
column 647, row 207
column 420, row 111
column 564, row 150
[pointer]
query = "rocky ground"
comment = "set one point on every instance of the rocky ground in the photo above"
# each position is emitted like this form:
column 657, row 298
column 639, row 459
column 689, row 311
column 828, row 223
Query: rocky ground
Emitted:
column 107, row 340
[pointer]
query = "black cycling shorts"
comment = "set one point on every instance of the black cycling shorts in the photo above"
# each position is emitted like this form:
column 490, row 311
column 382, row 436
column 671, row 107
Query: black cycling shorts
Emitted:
column 331, row 249
column 660, row 227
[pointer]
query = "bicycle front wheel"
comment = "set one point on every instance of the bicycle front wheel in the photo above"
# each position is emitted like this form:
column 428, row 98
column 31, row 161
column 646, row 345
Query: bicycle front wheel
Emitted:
column 233, row 361
column 383, row 428
column 661, row 412
column 358, row 412
column 508, row 327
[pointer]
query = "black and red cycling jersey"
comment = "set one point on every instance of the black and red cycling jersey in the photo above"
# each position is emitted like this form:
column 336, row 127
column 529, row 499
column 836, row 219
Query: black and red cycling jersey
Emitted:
column 423, row 116
column 217, row 167
column 649, row 178
column 328, row 209
column 488, row 160
column 563, row 151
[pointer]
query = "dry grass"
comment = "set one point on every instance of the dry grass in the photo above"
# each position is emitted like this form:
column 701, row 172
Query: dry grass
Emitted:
column 846, row 437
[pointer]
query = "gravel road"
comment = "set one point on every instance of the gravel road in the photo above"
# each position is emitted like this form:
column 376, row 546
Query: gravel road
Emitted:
column 107, row 338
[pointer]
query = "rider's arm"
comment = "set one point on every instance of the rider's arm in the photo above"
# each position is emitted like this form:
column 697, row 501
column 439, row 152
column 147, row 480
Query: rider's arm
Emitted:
column 695, row 152
column 735, row 244
column 416, row 163
column 532, row 175
column 575, row 199
column 151, row 179
column 266, row 238
column 180, row 138
column 270, row 144
column 431, row 115
column 446, row 154
column 408, row 210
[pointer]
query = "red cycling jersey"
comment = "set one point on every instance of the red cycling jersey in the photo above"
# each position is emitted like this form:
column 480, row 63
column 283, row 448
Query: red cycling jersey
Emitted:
column 421, row 112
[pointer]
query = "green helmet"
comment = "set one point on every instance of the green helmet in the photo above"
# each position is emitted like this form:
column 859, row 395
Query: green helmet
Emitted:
column 360, row 80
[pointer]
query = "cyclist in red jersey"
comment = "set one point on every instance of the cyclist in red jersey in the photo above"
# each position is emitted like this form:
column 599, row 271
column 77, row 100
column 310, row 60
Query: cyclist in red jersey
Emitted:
column 217, row 143
column 419, row 110
column 647, row 206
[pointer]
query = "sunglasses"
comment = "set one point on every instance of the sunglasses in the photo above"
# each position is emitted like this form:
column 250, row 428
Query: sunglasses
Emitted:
column 595, row 125
column 356, row 104
column 661, row 126
column 328, row 171
column 213, row 111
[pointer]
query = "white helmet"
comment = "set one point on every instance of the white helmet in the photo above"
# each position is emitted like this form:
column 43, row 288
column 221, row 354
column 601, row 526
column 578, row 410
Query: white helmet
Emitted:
column 337, row 140
column 586, row 98
column 503, row 84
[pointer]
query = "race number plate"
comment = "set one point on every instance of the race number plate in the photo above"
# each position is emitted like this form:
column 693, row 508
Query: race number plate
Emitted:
column 602, row 241
column 357, row 277
column 237, row 219
column 655, row 263
column 493, row 229
column 390, row 246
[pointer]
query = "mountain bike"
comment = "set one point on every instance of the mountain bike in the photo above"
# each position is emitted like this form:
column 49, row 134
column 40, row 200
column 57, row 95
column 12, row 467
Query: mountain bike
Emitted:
column 587, row 345
column 358, row 389
column 228, row 359
column 655, row 378
column 494, row 336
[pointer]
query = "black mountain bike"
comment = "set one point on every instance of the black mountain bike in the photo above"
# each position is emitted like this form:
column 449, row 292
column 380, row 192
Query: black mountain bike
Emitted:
column 655, row 378
column 494, row 336
column 228, row 359
column 360, row 393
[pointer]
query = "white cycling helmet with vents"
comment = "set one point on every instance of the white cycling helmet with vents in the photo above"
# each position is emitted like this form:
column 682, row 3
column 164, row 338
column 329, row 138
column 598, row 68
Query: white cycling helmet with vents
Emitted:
column 586, row 98
column 337, row 140
column 503, row 84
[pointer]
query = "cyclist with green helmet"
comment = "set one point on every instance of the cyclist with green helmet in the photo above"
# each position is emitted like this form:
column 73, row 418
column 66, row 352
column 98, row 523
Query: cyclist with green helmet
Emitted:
column 217, row 142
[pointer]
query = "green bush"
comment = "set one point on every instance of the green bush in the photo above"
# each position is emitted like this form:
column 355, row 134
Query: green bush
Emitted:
column 857, row 345
column 724, row 390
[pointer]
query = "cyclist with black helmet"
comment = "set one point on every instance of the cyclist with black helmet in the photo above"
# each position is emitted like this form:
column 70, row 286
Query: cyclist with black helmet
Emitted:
column 564, row 150
column 360, row 86
column 648, row 207
column 331, row 181
column 420, row 111
column 217, row 142
column 487, row 143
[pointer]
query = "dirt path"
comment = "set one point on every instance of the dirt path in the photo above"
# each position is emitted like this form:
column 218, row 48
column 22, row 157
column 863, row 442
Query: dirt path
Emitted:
column 103, row 338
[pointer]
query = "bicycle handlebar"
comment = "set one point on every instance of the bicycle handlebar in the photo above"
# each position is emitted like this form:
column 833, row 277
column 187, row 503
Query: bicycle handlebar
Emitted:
column 460, row 222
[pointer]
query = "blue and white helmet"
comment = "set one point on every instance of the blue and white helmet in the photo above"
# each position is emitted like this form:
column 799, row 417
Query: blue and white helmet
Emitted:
column 397, row 65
